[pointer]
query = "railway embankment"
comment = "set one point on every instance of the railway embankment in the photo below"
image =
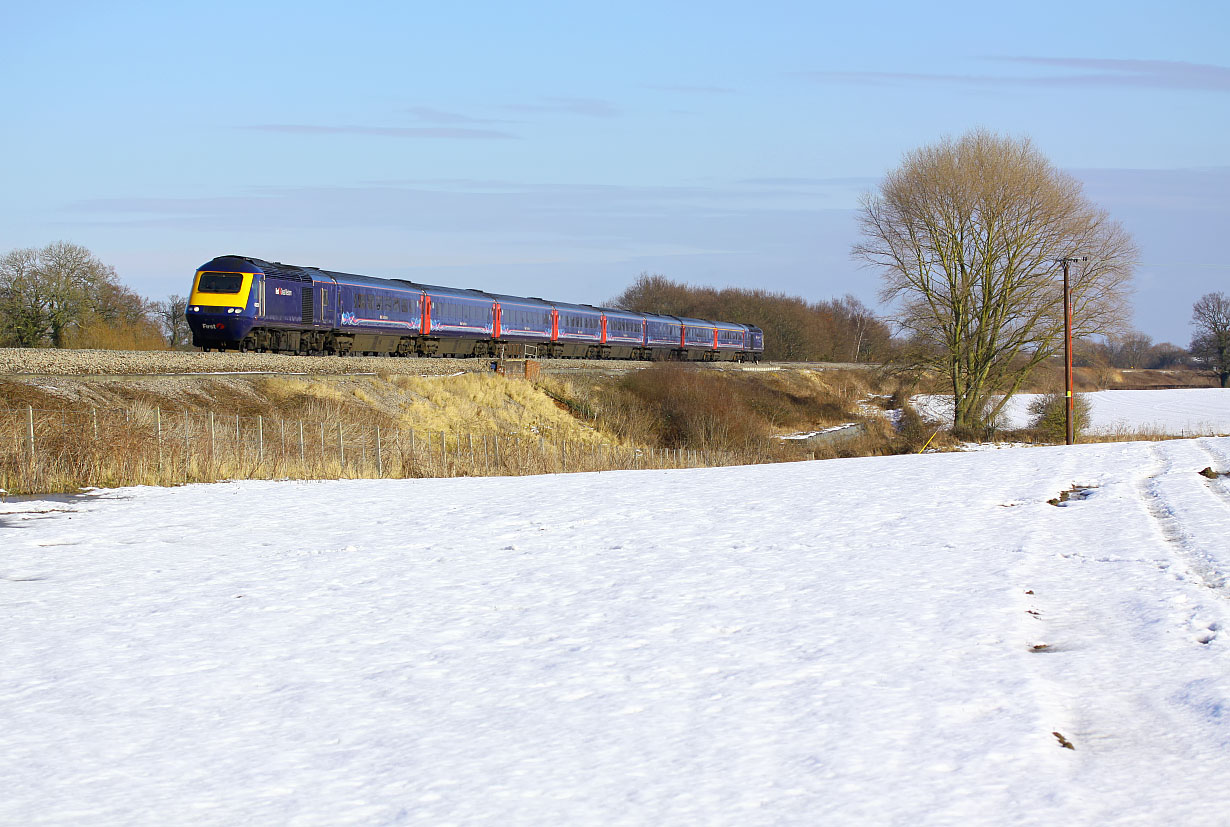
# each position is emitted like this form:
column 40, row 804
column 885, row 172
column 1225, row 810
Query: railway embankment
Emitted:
column 65, row 362
column 117, row 425
column 70, row 419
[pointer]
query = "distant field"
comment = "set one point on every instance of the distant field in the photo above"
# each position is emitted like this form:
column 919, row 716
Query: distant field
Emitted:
column 1178, row 412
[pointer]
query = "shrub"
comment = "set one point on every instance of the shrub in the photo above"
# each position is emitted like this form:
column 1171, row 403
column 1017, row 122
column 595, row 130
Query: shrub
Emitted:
column 1048, row 416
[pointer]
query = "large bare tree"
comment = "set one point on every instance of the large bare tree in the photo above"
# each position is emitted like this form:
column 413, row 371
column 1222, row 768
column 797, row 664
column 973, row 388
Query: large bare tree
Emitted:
column 966, row 234
column 1211, row 341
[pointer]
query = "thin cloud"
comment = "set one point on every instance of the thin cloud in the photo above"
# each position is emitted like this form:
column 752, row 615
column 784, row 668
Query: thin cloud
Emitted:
column 1167, row 74
column 1089, row 72
column 388, row 131
column 430, row 115
column 690, row 90
column 589, row 107
column 807, row 182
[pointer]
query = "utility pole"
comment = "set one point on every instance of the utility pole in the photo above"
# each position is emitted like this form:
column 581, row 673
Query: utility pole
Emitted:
column 1067, row 338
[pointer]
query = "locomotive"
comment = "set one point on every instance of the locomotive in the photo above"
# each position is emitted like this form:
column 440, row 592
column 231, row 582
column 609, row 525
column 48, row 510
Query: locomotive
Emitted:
column 240, row 303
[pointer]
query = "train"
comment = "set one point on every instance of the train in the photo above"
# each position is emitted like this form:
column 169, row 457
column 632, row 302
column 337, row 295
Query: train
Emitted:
column 246, row 304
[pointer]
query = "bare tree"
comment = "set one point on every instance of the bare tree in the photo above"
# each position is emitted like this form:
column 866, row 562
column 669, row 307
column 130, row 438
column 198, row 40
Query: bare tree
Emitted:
column 51, row 295
column 1211, row 341
column 1131, row 350
column 171, row 319
column 655, row 293
column 965, row 234
column 794, row 329
column 74, row 279
column 24, row 303
column 858, row 322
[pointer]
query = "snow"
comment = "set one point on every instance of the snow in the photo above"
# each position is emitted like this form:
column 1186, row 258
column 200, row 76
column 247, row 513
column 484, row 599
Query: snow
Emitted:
column 890, row 640
column 805, row 435
column 1182, row 412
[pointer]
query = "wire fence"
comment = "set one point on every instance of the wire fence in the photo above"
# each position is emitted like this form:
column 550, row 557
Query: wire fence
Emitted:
column 44, row 451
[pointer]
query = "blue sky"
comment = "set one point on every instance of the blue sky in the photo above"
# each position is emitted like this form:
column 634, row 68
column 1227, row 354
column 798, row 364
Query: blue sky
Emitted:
column 559, row 149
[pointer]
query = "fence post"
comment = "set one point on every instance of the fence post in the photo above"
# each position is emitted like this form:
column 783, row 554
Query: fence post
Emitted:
column 187, row 447
column 211, row 443
column 260, row 439
column 30, row 431
column 158, row 425
column 379, row 461
column 95, row 410
column 302, row 452
column 341, row 449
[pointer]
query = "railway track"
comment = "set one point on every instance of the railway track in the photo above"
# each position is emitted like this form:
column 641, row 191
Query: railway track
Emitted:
column 51, row 362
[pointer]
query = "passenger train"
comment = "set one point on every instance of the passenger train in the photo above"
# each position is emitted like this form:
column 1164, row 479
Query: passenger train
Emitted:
column 240, row 303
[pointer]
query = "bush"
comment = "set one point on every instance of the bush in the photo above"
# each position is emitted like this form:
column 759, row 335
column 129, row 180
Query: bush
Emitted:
column 98, row 334
column 1048, row 416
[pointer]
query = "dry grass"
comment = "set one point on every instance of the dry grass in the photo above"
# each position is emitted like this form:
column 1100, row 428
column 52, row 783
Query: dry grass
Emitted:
column 487, row 403
column 287, row 427
column 157, row 431
column 688, row 407
column 150, row 446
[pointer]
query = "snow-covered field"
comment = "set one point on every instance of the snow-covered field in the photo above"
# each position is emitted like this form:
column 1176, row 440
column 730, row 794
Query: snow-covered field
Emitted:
column 1184, row 412
column 903, row 640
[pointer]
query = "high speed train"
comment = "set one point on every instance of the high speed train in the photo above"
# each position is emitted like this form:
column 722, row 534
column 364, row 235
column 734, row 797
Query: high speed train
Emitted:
column 241, row 303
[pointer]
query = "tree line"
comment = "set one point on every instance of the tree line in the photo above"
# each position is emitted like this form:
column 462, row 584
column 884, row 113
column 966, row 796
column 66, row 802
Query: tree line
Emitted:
column 62, row 295
column 981, row 313
column 839, row 330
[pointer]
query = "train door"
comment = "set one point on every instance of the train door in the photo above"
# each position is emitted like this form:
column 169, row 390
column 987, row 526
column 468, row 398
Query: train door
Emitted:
column 326, row 301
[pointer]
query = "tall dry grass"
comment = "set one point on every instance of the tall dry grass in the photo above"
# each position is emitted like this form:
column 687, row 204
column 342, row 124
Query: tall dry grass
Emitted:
column 139, row 446
column 665, row 416
column 682, row 406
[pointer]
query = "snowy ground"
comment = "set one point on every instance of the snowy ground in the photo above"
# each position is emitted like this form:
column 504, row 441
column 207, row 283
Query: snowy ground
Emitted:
column 871, row 641
column 1185, row 412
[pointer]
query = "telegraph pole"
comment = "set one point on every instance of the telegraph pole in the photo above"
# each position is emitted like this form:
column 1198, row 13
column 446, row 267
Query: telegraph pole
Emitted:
column 1067, row 337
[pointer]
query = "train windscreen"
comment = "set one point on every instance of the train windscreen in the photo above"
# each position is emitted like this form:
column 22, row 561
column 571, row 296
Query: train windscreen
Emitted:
column 220, row 283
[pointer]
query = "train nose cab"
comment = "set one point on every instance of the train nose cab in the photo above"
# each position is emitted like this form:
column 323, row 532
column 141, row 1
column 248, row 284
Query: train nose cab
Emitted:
column 220, row 308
